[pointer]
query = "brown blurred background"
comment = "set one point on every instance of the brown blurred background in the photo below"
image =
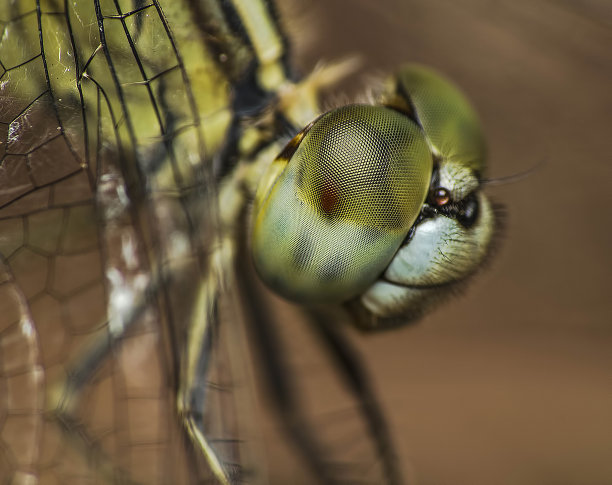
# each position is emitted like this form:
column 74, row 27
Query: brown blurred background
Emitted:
column 511, row 383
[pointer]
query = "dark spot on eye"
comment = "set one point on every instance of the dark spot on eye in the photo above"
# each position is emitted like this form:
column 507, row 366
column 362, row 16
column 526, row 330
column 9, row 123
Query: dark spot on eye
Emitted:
column 468, row 211
column 329, row 198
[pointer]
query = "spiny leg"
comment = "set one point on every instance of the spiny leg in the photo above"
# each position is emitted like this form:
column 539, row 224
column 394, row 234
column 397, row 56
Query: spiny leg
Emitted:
column 207, row 380
column 355, row 376
column 192, row 392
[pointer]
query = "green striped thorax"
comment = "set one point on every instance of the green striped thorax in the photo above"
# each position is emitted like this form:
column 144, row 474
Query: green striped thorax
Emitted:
column 377, row 204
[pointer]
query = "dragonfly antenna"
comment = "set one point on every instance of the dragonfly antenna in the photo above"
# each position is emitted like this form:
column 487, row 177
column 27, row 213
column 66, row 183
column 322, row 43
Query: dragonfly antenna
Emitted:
column 517, row 177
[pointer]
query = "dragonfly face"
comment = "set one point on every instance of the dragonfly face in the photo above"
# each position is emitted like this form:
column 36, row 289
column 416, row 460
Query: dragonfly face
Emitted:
column 336, row 217
column 134, row 136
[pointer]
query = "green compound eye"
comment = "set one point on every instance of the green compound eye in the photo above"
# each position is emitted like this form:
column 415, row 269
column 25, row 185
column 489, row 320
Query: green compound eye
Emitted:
column 447, row 117
column 335, row 206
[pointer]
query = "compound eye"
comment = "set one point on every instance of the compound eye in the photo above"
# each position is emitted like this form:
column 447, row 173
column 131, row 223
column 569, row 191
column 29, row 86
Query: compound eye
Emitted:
column 329, row 220
column 448, row 119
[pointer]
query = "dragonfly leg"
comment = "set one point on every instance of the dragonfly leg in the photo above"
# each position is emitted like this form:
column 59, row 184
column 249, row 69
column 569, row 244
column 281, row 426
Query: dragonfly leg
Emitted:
column 356, row 378
column 196, row 389
column 281, row 391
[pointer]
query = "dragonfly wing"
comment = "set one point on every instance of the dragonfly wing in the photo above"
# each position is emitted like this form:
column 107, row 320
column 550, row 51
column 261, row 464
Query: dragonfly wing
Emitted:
column 106, row 198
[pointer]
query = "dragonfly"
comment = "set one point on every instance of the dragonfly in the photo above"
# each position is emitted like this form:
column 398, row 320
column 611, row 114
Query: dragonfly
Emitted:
column 160, row 160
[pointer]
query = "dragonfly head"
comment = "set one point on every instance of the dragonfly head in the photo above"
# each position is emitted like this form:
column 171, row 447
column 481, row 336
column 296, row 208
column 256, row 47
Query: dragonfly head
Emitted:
column 377, row 204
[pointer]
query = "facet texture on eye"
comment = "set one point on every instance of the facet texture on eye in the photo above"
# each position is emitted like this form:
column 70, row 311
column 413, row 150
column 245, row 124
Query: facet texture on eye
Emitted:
column 366, row 164
column 343, row 204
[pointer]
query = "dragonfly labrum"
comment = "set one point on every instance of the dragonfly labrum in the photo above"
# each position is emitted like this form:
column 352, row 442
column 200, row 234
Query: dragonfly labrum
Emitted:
column 150, row 151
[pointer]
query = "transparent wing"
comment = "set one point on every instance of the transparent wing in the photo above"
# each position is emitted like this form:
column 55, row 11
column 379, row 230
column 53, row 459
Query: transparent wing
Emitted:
column 103, row 155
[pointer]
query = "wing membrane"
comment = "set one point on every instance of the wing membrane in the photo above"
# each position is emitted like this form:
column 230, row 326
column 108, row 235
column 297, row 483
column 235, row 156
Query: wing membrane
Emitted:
column 103, row 155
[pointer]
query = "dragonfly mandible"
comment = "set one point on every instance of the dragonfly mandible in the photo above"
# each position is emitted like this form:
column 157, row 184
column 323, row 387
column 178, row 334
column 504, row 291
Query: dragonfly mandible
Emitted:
column 134, row 137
